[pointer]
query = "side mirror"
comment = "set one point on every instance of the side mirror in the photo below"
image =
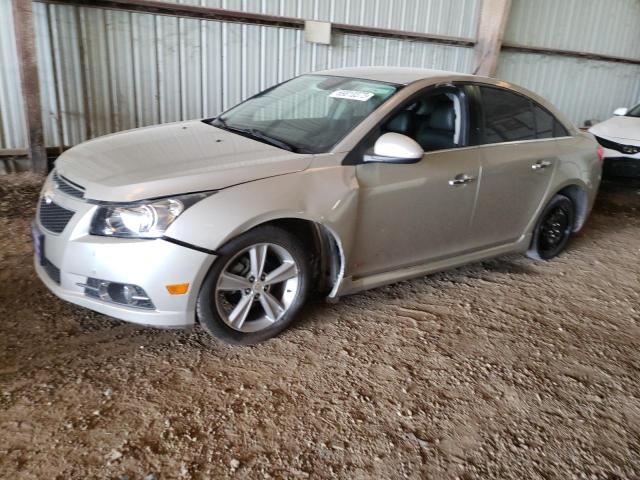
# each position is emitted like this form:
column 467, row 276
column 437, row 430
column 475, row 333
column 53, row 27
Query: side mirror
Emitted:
column 621, row 112
column 395, row 148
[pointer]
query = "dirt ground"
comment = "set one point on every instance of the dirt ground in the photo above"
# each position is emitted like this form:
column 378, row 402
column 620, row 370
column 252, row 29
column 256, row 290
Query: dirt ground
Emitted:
column 508, row 368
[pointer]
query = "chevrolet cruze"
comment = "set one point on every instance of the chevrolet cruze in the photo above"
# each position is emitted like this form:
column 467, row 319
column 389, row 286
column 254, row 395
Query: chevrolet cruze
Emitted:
column 325, row 185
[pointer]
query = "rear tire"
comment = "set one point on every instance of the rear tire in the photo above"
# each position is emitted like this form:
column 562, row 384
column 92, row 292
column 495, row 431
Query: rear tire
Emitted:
column 255, row 288
column 553, row 229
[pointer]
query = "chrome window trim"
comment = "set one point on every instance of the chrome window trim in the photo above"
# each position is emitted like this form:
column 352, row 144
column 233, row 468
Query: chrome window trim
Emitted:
column 517, row 142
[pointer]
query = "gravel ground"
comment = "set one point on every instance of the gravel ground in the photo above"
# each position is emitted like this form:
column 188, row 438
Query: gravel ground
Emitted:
column 508, row 368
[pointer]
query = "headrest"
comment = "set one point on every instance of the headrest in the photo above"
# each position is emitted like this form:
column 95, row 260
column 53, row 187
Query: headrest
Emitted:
column 425, row 108
column 443, row 117
column 401, row 122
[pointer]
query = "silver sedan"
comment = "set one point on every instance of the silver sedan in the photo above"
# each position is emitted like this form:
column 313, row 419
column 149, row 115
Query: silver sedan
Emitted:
column 325, row 185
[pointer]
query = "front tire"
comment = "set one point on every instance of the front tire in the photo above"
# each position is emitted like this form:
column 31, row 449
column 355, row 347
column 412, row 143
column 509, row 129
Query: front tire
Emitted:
column 255, row 288
column 553, row 229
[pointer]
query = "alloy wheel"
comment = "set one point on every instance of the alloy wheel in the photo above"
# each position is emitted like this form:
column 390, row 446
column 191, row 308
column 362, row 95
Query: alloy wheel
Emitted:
column 257, row 287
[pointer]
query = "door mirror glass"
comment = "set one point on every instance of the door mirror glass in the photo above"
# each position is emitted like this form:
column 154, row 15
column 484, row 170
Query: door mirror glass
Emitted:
column 395, row 148
column 621, row 112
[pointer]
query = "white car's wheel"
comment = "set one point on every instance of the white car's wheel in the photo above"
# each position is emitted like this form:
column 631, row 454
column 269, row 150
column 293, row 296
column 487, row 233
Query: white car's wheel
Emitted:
column 255, row 288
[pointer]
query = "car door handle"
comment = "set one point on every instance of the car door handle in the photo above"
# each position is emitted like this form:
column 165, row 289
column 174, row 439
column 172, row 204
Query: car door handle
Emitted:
column 461, row 179
column 540, row 165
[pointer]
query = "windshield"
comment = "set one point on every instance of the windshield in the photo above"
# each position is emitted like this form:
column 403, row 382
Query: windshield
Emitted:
column 634, row 112
column 309, row 114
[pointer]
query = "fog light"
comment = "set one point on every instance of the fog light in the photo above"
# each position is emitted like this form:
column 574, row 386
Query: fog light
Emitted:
column 121, row 293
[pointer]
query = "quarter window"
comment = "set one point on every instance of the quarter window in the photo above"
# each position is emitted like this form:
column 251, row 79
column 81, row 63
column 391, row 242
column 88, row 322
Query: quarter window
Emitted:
column 544, row 122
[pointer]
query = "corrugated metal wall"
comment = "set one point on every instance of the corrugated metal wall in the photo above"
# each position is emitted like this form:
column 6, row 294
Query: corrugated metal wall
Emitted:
column 441, row 17
column 103, row 70
column 583, row 89
column 12, row 122
column 608, row 27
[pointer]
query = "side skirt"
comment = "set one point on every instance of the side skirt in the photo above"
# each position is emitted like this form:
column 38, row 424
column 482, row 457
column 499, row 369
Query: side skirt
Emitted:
column 349, row 286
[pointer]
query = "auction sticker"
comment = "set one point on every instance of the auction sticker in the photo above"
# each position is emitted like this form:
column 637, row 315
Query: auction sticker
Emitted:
column 352, row 95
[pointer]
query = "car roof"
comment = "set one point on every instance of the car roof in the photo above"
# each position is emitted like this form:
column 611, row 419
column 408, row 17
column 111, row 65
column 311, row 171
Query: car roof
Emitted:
column 399, row 75
column 405, row 76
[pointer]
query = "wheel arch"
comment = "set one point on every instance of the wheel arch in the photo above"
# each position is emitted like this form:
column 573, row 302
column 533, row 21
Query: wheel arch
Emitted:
column 580, row 199
column 323, row 243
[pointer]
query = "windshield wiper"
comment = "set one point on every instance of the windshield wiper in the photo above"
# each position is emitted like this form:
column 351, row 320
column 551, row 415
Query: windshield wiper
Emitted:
column 256, row 134
column 276, row 142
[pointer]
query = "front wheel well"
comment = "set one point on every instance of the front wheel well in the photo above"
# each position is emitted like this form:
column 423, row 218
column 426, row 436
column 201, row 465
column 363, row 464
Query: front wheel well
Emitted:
column 580, row 200
column 323, row 249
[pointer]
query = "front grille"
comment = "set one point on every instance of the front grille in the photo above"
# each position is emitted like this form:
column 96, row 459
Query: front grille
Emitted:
column 618, row 147
column 52, row 270
column 53, row 217
column 67, row 186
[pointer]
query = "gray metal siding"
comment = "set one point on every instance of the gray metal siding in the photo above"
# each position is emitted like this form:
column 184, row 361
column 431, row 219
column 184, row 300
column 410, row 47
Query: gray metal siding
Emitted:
column 582, row 89
column 12, row 121
column 606, row 27
column 103, row 71
column 442, row 17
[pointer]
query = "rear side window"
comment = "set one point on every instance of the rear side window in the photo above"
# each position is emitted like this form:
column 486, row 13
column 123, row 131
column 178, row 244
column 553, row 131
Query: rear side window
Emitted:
column 508, row 117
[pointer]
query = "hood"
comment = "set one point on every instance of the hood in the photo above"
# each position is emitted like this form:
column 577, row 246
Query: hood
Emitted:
column 623, row 128
column 172, row 159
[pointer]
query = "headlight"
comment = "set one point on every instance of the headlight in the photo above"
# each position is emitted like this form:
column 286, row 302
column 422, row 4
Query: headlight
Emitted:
column 141, row 219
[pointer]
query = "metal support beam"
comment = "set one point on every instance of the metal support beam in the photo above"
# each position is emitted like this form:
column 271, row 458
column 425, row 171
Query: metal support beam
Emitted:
column 491, row 27
column 28, row 65
column 221, row 14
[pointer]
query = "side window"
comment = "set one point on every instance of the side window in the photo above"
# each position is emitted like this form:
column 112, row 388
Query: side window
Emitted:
column 434, row 120
column 508, row 117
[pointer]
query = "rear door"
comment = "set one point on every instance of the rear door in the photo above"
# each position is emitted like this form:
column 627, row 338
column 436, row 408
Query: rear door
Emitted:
column 518, row 155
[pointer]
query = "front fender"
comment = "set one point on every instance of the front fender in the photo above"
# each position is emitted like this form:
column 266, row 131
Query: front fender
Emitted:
column 326, row 195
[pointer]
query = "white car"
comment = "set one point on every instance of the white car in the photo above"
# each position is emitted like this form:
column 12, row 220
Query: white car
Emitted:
column 620, row 139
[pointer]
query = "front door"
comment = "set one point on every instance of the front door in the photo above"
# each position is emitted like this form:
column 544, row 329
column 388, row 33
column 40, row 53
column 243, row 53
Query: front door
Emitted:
column 410, row 214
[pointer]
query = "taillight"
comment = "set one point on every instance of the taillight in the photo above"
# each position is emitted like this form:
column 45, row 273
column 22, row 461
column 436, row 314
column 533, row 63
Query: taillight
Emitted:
column 600, row 152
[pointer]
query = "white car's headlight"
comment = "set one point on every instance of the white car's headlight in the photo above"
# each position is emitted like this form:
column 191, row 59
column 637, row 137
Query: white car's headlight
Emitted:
column 141, row 219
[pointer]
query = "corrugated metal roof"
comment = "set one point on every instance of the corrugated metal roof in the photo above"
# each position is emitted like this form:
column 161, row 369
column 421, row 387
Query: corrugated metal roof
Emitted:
column 608, row 27
column 582, row 89
column 12, row 121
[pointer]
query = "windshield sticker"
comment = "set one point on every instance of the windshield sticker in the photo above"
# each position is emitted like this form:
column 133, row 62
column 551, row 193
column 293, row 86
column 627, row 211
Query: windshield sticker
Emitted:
column 352, row 95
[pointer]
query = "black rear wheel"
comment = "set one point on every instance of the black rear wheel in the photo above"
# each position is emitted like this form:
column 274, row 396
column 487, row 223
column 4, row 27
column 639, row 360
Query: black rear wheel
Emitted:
column 553, row 230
